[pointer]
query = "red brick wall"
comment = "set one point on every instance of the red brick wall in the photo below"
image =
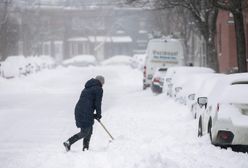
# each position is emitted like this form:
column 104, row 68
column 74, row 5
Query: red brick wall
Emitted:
column 226, row 41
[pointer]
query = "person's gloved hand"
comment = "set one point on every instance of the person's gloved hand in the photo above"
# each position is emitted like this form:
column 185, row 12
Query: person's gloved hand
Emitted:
column 97, row 117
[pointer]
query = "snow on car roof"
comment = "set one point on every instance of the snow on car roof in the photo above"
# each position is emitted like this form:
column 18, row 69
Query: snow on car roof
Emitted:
column 186, row 69
column 195, row 82
column 209, row 85
column 235, row 94
column 224, row 82
column 237, row 77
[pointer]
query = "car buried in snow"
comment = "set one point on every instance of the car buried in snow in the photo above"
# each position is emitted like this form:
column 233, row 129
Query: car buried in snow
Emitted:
column 14, row 66
column 204, row 91
column 225, row 114
column 193, row 86
column 158, row 80
column 178, row 76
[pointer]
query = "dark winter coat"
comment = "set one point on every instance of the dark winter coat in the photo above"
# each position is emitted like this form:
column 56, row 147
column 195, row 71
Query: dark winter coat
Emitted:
column 89, row 101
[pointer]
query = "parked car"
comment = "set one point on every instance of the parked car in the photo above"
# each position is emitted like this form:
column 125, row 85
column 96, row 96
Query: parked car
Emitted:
column 47, row 62
column 14, row 66
column 192, row 86
column 179, row 75
column 177, row 82
column 80, row 60
column 34, row 64
column 225, row 116
column 158, row 80
column 161, row 53
column 204, row 91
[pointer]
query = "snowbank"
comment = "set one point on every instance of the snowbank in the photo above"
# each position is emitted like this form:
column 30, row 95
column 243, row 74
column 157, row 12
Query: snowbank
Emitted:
column 80, row 60
column 150, row 131
column 118, row 60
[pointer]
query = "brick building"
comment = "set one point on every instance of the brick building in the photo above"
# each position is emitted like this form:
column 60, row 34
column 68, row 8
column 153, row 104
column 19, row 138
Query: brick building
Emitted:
column 226, row 41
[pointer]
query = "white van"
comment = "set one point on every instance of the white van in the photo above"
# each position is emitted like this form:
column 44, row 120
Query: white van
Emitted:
column 161, row 53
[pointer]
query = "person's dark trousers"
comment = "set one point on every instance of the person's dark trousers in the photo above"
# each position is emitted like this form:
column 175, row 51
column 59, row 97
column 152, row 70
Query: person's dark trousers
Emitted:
column 84, row 133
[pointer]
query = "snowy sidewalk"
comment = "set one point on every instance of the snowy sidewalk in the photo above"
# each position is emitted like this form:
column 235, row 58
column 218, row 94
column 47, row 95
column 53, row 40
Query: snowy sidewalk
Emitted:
column 150, row 131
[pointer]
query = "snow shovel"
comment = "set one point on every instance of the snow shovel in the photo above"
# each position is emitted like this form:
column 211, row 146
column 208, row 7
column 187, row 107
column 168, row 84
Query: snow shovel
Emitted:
column 105, row 129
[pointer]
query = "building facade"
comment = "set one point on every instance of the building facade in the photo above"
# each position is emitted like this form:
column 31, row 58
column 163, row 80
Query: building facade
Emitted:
column 226, row 41
column 101, row 31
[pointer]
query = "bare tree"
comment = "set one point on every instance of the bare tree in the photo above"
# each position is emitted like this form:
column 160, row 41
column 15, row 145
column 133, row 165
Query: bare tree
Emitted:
column 205, row 16
column 184, row 23
column 4, row 10
column 236, row 8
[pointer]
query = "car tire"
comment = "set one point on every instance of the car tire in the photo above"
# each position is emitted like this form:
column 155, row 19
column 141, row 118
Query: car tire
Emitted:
column 200, row 128
column 209, row 130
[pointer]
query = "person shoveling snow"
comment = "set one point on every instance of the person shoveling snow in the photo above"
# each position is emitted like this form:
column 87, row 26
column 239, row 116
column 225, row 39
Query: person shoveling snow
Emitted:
column 90, row 100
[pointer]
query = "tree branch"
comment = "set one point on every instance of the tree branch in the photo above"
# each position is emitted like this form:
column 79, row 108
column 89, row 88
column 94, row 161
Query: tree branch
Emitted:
column 223, row 5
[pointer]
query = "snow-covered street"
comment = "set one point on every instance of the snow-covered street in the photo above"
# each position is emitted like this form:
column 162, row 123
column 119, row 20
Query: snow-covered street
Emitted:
column 37, row 115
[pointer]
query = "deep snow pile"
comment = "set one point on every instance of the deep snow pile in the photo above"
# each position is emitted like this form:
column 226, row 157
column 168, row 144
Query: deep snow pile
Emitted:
column 118, row 60
column 150, row 131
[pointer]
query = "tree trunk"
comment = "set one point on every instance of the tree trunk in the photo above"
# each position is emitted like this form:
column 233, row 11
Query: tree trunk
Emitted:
column 209, row 33
column 240, row 41
column 212, row 60
column 4, row 41
column 3, row 33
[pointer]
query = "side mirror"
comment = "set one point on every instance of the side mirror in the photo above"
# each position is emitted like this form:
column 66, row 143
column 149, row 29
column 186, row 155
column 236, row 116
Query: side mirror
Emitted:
column 177, row 89
column 191, row 97
column 202, row 101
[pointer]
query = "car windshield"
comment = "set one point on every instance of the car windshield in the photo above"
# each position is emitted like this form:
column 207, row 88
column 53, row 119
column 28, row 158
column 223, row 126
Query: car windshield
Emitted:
column 237, row 93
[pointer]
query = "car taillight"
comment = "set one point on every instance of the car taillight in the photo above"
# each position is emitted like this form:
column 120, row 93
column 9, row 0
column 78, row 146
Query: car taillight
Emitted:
column 224, row 136
column 218, row 107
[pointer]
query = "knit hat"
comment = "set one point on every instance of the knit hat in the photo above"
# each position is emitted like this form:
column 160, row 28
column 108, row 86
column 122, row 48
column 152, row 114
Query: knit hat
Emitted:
column 100, row 78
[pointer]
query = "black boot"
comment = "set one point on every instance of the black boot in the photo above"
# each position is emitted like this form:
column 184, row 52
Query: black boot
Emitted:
column 86, row 144
column 85, row 148
column 67, row 146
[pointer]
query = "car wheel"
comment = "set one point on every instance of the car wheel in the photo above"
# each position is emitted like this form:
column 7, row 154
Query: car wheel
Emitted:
column 209, row 131
column 200, row 128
